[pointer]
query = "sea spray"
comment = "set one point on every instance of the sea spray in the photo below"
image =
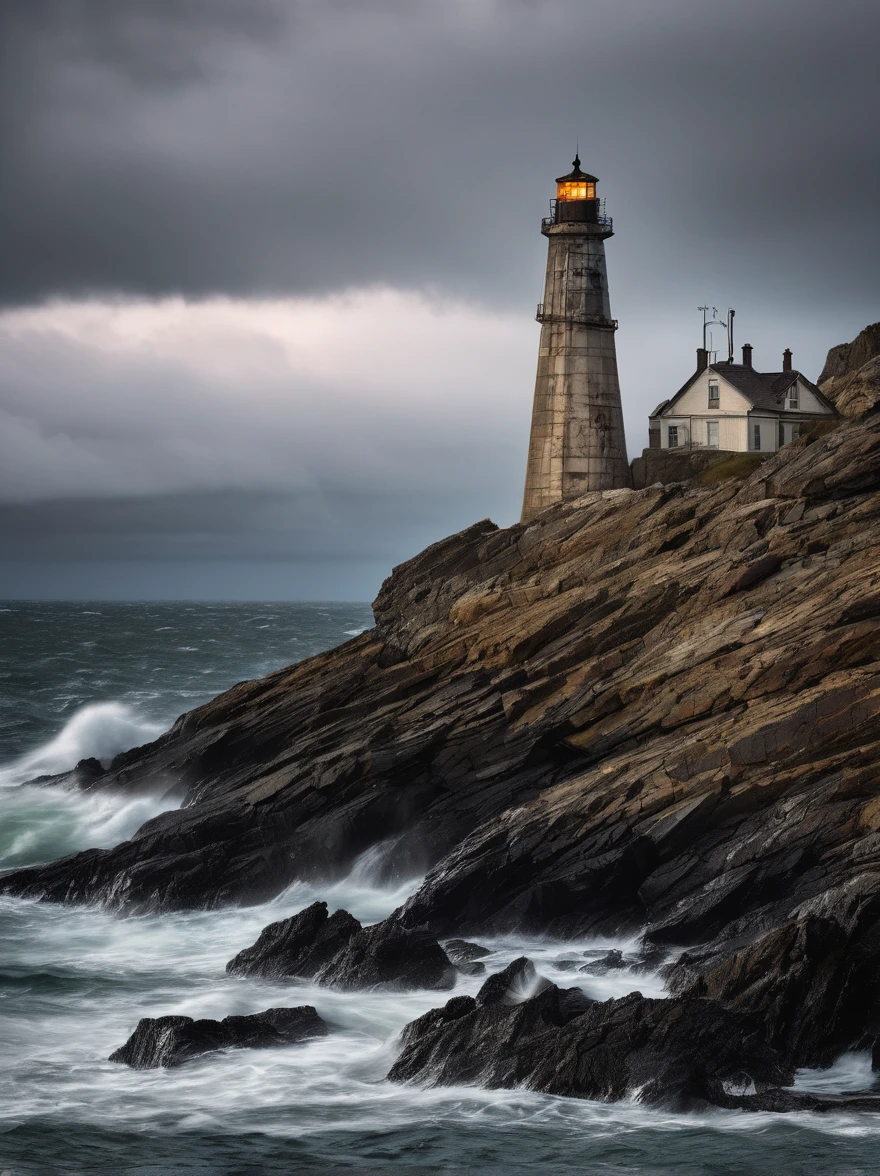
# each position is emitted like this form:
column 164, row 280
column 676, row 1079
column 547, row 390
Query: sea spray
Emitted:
column 75, row 980
column 98, row 731
column 43, row 822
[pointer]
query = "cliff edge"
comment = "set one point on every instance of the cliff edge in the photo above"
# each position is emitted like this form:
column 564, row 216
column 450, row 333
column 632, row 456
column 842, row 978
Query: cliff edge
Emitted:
column 646, row 709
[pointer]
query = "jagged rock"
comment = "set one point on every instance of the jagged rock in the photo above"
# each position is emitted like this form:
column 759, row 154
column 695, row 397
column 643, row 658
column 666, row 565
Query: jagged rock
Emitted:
column 337, row 950
column 466, row 956
column 387, row 955
column 851, row 376
column 513, row 984
column 679, row 1052
column 581, row 726
column 460, row 951
column 814, row 982
column 566, row 964
column 612, row 962
column 171, row 1041
column 298, row 946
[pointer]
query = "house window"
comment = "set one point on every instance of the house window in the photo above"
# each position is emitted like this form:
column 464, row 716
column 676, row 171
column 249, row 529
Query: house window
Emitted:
column 673, row 436
column 757, row 436
column 713, row 394
column 793, row 396
column 781, row 434
column 712, row 434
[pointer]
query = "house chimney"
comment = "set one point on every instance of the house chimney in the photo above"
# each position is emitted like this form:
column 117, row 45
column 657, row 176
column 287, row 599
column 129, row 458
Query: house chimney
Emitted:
column 786, row 360
column 702, row 359
column 747, row 355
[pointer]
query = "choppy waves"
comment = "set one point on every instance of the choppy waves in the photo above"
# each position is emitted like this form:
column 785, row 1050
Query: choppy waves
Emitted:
column 75, row 980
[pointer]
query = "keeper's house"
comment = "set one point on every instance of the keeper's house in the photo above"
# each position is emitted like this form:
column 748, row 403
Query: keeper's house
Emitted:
column 730, row 406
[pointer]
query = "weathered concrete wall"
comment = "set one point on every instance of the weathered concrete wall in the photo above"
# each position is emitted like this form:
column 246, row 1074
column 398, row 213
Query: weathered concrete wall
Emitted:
column 577, row 441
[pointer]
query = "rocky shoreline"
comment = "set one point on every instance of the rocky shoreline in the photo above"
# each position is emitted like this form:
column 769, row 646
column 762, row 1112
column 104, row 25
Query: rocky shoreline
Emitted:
column 650, row 710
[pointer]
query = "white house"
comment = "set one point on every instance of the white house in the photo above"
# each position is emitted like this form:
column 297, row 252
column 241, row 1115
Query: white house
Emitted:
column 731, row 406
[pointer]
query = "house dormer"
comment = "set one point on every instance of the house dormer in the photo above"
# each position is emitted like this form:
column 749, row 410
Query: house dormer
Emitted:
column 731, row 406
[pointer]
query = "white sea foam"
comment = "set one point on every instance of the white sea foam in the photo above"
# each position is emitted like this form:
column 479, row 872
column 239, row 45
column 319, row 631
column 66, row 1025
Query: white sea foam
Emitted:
column 40, row 823
column 851, row 1071
column 112, row 970
column 100, row 730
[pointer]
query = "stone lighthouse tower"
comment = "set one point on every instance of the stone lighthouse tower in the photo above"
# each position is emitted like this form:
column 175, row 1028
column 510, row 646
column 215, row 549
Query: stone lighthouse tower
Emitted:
column 577, row 442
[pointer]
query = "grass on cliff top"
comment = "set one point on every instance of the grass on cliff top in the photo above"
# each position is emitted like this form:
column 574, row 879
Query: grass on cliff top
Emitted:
column 739, row 465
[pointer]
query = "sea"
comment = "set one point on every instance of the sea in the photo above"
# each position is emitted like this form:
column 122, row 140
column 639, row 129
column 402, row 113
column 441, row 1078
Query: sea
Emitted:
column 93, row 679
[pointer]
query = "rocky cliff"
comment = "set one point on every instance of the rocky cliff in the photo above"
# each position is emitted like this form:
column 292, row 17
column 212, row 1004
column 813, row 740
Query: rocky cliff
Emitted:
column 850, row 378
column 645, row 709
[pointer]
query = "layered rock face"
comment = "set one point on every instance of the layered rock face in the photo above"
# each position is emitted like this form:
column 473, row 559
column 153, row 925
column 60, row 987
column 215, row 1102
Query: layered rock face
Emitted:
column 851, row 376
column 645, row 709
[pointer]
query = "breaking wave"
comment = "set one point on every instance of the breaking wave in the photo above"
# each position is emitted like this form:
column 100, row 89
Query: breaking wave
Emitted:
column 101, row 731
column 43, row 822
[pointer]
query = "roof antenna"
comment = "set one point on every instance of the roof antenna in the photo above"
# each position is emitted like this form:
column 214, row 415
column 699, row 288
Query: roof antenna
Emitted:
column 730, row 314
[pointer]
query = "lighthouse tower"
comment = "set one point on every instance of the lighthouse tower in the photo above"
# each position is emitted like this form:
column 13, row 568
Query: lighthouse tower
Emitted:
column 577, row 442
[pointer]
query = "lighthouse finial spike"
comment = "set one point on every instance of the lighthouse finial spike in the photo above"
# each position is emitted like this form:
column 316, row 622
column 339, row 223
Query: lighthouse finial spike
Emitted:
column 577, row 154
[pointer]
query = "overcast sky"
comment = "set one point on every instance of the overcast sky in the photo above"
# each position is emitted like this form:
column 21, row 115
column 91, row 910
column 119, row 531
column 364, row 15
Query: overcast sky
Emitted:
column 270, row 268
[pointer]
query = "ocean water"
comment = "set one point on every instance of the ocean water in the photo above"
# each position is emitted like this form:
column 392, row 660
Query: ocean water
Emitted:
column 80, row 680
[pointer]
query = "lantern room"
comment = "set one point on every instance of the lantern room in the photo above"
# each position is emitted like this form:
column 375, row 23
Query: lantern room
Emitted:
column 576, row 196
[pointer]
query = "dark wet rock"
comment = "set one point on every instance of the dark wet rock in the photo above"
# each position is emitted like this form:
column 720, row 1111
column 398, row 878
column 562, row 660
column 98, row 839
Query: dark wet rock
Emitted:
column 171, row 1041
column 582, row 729
column 649, row 959
column 298, row 946
column 338, row 951
column 460, row 950
column 389, row 956
column 612, row 962
column 786, row 1101
column 680, row 1052
column 518, row 981
column 814, row 982
column 566, row 964
column 471, row 967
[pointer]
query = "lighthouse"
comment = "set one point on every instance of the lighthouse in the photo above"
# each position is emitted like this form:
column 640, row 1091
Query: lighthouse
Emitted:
column 577, row 442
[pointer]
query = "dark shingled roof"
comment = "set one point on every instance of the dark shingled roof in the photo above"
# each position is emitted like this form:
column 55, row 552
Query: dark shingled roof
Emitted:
column 765, row 390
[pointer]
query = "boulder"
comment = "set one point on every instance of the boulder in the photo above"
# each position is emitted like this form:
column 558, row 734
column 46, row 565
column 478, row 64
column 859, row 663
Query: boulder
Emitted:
column 682, row 1052
column 461, row 951
column 338, row 951
column 170, row 1041
column 613, row 961
column 298, row 946
column 389, row 956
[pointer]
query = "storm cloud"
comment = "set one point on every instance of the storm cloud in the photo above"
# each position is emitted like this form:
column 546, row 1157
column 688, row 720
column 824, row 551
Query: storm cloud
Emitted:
column 322, row 218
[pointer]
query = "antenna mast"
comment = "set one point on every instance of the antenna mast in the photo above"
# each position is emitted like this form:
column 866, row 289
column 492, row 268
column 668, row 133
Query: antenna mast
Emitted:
column 728, row 323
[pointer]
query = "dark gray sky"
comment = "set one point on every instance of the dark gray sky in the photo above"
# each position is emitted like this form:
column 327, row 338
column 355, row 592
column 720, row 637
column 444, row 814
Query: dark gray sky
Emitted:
column 270, row 268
